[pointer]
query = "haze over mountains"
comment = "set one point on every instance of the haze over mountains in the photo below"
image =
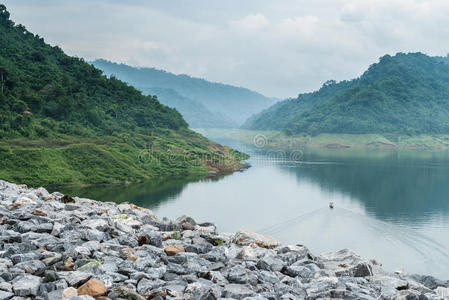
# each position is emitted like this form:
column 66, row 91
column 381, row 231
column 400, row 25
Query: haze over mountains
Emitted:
column 195, row 113
column 202, row 103
column 405, row 93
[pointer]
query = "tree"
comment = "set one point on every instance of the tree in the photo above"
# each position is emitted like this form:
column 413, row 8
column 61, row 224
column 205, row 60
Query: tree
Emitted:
column 329, row 82
column 4, row 15
column 2, row 77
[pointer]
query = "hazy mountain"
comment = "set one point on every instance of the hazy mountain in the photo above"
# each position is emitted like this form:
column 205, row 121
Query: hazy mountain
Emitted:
column 195, row 113
column 233, row 103
column 405, row 93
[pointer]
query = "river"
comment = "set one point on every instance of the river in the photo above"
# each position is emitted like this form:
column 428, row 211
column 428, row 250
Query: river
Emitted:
column 391, row 206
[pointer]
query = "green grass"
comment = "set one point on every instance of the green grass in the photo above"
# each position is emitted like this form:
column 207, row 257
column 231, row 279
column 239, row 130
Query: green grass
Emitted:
column 96, row 263
column 176, row 235
column 112, row 160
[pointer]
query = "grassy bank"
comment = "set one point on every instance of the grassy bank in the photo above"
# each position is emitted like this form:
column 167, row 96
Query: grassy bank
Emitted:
column 67, row 160
column 277, row 139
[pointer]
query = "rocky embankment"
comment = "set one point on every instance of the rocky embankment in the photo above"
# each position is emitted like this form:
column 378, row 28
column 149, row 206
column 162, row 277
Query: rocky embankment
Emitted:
column 57, row 247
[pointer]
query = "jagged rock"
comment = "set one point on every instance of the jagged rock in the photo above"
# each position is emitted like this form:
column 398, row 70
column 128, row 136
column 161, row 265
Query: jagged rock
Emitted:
column 270, row 263
column 81, row 251
column 146, row 287
column 48, row 287
column 76, row 277
column 246, row 238
column 127, row 251
column 175, row 290
column 166, row 225
column 237, row 291
column 239, row 274
column 143, row 263
column 347, row 263
column 359, row 270
column 31, row 266
column 173, row 250
column 26, row 285
column 429, row 281
column 187, row 226
column 442, row 292
column 51, row 257
column 93, row 287
column 268, row 277
column 97, row 224
column 38, row 212
column 300, row 271
column 321, row 285
column 50, row 276
column 153, row 238
column 5, row 263
column 83, row 297
column 217, row 277
column 68, row 293
column 5, row 295
column 54, row 295
column 68, row 263
column 5, row 286
column 186, row 219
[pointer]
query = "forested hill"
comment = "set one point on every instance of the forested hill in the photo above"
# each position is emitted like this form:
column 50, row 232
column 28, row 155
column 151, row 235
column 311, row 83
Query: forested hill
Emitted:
column 405, row 93
column 234, row 103
column 44, row 92
column 444, row 59
column 63, row 122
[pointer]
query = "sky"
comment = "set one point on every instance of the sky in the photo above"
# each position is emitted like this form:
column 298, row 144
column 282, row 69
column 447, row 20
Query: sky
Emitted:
column 277, row 47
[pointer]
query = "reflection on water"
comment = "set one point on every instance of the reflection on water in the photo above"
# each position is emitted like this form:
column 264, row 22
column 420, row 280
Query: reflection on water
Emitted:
column 403, row 188
column 149, row 194
column 391, row 206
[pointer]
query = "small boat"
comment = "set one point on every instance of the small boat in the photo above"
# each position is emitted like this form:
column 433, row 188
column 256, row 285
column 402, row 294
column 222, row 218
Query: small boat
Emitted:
column 331, row 205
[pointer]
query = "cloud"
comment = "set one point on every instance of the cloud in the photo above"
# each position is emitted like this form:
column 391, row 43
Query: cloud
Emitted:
column 279, row 48
column 251, row 23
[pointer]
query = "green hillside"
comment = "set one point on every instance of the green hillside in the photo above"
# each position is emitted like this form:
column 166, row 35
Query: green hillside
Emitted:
column 405, row 93
column 234, row 103
column 195, row 113
column 63, row 122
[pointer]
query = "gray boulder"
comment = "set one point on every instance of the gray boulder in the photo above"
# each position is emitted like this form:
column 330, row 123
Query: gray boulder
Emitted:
column 26, row 285
column 237, row 291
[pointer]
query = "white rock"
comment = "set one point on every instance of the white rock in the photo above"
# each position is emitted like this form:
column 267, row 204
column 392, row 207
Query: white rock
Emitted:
column 442, row 292
column 99, row 224
column 26, row 285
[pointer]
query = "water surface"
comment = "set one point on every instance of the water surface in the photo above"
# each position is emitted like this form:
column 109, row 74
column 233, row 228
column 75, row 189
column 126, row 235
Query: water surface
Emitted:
column 389, row 205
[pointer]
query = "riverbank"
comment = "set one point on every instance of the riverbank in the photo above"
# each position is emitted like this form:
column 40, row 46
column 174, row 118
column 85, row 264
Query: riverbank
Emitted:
column 279, row 140
column 55, row 246
column 81, row 161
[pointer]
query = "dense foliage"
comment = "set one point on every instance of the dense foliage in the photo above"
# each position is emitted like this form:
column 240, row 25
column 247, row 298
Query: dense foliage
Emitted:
column 195, row 113
column 64, row 123
column 234, row 103
column 45, row 92
column 406, row 93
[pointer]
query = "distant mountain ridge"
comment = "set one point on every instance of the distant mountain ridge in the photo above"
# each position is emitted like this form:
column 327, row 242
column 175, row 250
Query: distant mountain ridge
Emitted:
column 195, row 113
column 405, row 93
column 233, row 103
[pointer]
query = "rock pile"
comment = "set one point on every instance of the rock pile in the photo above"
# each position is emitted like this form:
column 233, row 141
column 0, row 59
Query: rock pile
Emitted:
column 57, row 247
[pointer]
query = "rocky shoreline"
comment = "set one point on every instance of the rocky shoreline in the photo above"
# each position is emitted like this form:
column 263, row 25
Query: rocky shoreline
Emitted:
column 53, row 246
